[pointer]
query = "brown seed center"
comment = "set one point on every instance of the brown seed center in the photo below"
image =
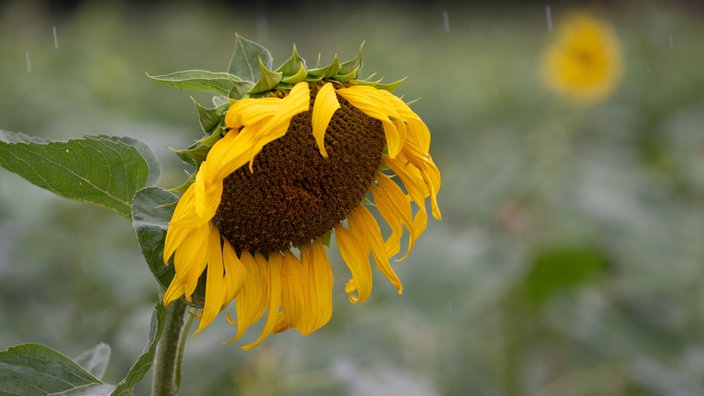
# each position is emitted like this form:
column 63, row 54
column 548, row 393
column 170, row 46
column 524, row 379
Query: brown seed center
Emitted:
column 294, row 194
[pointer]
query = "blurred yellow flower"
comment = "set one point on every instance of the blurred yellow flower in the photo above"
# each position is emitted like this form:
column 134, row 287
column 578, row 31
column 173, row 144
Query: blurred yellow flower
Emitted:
column 293, row 168
column 584, row 62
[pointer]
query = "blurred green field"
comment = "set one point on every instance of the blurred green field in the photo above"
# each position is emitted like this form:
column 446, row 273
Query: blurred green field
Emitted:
column 570, row 257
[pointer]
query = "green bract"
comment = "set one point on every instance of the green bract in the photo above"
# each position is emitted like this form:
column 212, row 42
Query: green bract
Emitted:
column 250, row 75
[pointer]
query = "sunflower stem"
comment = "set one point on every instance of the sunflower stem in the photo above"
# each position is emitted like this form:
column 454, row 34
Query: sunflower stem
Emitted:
column 167, row 363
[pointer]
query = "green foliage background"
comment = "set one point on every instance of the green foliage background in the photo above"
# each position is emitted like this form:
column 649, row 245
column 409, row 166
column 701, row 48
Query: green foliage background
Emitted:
column 570, row 259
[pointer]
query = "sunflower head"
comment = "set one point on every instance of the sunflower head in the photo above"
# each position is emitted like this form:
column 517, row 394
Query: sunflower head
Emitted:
column 290, row 158
column 584, row 61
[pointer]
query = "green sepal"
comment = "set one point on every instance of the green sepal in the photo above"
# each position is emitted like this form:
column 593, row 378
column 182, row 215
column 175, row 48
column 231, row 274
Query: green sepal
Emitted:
column 293, row 64
column 183, row 187
column 246, row 56
column 296, row 78
column 220, row 83
column 193, row 155
column 324, row 72
column 325, row 238
column 377, row 84
column 211, row 118
column 343, row 78
column 198, row 151
column 268, row 80
column 350, row 67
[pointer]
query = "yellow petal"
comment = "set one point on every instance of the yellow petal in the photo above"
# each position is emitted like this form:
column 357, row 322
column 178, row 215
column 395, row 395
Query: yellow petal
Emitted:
column 207, row 193
column 214, row 279
column 252, row 298
column 293, row 296
column 365, row 227
column 275, row 263
column 428, row 172
column 326, row 104
column 175, row 236
column 250, row 111
column 396, row 209
column 319, row 274
column 228, row 154
column 173, row 292
column 417, row 190
column 190, row 258
column 235, row 273
column 355, row 253
column 417, row 130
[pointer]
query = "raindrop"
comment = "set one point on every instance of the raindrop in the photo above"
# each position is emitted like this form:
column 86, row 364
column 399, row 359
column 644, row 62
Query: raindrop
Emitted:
column 451, row 307
column 29, row 63
column 56, row 38
column 446, row 21
column 548, row 17
column 670, row 41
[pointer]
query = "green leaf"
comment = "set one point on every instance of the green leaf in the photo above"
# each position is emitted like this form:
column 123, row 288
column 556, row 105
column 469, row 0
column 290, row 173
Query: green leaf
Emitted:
column 220, row 83
column 151, row 212
column 145, row 360
column 37, row 370
column 147, row 155
column 557, row 269
column 102, row 170
column 95, row 360
column 246, row 57
column 268, row 80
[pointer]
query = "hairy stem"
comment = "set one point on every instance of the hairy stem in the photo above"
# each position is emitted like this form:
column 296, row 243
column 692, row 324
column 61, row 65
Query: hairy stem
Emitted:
column 167, row 364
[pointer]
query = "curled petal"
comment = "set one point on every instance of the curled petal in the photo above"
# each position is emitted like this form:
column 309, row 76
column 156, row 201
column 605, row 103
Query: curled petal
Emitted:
column 365, row 227
column 326, row 104
column 355, row 253
column 275, row 264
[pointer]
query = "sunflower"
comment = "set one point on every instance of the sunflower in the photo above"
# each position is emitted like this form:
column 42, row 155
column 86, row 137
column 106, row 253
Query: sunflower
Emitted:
column 584, row 62
column 300, row 158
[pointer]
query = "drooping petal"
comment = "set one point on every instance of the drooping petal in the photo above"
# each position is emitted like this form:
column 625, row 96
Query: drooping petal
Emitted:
column 355, row 253
column 418, row 131
column 320, row 280
column 235, row 273
column 417, row 190
column 173, row 292
column 326, row 104
column 275, row 264
column 214, row 279
column 293, row 294
column 313, row 275
column 428, row 172
column 191, row 259
column 396, row 209
column 365, row 227
column 252, row 298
